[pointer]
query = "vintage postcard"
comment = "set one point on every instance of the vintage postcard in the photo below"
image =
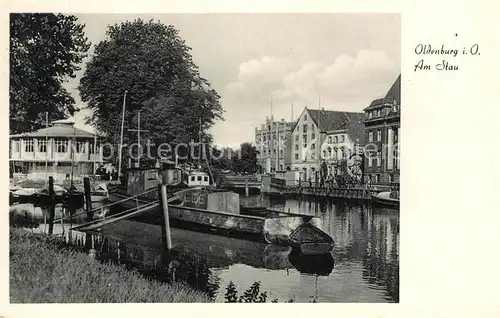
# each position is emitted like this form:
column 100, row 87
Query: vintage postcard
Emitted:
column 235, row 156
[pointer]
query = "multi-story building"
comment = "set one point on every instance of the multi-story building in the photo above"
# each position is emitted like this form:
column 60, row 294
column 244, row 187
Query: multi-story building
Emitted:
column 273, row 143
column 310, row 132
column 52, row 150
column 344, row 143
column 382, row 125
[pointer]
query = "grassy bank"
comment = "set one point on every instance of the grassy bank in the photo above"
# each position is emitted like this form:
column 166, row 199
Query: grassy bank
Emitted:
column 44, row 270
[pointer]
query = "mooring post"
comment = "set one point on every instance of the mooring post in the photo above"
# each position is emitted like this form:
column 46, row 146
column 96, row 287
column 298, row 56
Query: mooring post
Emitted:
column 165, row 215
column 246, row 186
column 52, row 204
column 88, row 198
column 88, row 207
column 165, row 227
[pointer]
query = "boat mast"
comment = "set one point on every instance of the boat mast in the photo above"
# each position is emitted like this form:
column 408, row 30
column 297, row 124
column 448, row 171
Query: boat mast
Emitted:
column 46, row 146
column 121, row 137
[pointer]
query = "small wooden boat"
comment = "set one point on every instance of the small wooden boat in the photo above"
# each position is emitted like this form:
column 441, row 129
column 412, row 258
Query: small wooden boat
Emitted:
column 310, row 240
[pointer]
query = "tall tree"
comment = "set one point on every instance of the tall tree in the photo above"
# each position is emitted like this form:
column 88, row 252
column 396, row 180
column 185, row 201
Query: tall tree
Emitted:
column 45, row 49
column 246, row 159
column 153, row 64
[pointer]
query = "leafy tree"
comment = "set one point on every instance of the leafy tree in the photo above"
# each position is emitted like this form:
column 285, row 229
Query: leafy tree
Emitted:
column 45, row 49
column 153, row 64
column 246, row 159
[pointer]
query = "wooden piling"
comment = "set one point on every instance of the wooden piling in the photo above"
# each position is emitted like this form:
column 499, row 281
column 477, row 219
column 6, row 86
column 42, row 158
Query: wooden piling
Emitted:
column 246, row 186
column 88, row 198
column 88, row 207
column 52, row 205
column 166, row 238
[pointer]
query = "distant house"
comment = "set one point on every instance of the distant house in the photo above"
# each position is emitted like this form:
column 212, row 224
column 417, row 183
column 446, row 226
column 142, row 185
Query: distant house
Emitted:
column 313, row 128
column 382, row 125
column 50, row 152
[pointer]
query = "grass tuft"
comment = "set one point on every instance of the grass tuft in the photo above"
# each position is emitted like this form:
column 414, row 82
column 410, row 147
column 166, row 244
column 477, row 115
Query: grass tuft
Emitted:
column 44, row 269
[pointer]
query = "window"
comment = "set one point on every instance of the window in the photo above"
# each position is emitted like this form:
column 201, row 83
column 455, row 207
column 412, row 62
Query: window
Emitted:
column 79, row 147
column 324, row 154
column 329, row 139
column 296, row 156
column 195, row 198
column 264, row 138
column 61, row 145
column 205, row 178
column 313, row 136
column 296, row 147
column 304, row 137
column 370, row 136
column 188, row 198
column 91, row 147
column 199, row 178
column 379, row 135
column 304, row 128
column 193, row 178
column 379, row 159
column 313, row 146
column 305, row 117
column 42, row 145
column 17, row 146
column 342, row 138
column 296, row 137
column 312, row 127
column 28, row 146
column 342, row 152
column 202, row 199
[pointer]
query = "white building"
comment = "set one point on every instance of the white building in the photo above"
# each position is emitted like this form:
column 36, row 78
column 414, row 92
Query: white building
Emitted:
column 309, row 135
column 50, row 152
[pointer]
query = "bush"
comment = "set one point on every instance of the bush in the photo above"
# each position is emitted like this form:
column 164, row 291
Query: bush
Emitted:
column 45, row 269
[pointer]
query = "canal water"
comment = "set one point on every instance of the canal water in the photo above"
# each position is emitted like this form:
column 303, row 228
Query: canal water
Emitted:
column 363, row 266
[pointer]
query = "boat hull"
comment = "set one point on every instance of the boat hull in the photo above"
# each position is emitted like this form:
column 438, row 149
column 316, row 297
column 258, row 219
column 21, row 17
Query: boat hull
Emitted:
column 271, row 230
column 387, row 202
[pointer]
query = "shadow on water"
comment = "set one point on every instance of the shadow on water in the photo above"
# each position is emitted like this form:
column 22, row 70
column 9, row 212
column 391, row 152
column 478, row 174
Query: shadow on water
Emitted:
column 363, row 235
column 197, row 263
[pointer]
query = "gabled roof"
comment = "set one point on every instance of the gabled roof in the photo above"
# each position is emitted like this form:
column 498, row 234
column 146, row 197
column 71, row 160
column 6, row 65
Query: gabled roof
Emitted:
column 57, row 131
column 356, row 131
column 328, row 120
column 394, row 94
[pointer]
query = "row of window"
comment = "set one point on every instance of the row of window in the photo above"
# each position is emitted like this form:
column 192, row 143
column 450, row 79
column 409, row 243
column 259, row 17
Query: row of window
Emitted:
column 60, row 145
column 379, row 135
column 268, row 152
column 264, row 137
column 198, row 178
column 382, row 112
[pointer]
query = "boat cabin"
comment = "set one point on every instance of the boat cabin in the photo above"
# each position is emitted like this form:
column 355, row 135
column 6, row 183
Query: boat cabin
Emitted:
column 220, row 201
column 198, row 179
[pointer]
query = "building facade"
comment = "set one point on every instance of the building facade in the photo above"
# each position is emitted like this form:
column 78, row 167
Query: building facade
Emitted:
column 344, row 144
column 382, row 126
column 51, row 151
column 309, row 134
column 273, row 143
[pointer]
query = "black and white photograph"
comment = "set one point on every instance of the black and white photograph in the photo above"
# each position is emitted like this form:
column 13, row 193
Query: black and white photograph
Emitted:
column 201, row 158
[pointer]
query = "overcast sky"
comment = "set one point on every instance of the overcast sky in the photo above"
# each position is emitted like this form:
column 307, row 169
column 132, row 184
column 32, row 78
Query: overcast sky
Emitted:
column 350, row 59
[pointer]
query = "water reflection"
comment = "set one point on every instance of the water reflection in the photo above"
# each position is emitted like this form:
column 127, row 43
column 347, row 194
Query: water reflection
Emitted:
column 363, row 267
